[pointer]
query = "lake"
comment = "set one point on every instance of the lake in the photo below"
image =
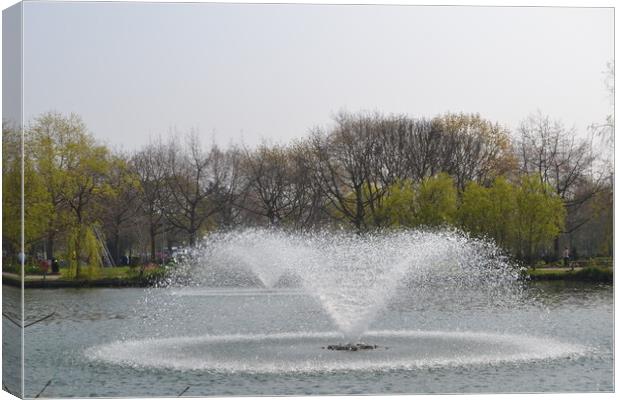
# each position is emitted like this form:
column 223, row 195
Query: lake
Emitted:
column 252, row 341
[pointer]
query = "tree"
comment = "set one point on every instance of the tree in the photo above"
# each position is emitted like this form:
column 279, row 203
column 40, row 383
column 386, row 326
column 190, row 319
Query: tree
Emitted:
column 11, row 189
column 73, row 169
column 490, row 211
column 193, row 179
column 560, row 160
column 473, row 149
column 503, row 212
column 270, row 187
column 308, row 201
column 84, row 181
column 18, row 164
column 595, row 237
column 52, row 135
column 345, row 168
column 277, row 185
column 430, row 203
column 540, row 216
column 435, row 201
column 120, row 206
column 606, row 129
column 474, row 212
column 148, row 165
column 398, row 207
column 230, row 193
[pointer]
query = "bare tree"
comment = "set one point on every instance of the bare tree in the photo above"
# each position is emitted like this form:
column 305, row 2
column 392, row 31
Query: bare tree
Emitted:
column 149, row 166
column 561, row 160
column 193, row 178
column 50, row 134
column 307, row 198
column 472, row 149
column 408, row 149
column 605, row 130
column 346, row 170
column 230, row 192
column 121, row 205
column 278, row 185
column 269, row 184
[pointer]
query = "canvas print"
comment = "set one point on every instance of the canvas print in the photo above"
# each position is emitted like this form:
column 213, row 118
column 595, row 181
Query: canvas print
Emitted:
column 218, row 199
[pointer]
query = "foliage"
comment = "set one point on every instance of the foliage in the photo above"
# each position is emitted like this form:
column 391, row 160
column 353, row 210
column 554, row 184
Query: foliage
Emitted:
column 479, row 150
column 367, row 171
column 430, row 203
column 588, row 274
column 84, row 253
column 435, row 202
column 36, row 207
column 540, row 216
column 74, row 169
column 490, row 211
column 398, row 207
column 475, row 209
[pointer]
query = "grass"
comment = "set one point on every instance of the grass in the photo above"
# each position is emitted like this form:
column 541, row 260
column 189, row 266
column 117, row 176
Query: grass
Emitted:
column 117, row 273
column 587, row 274
column 102, row 273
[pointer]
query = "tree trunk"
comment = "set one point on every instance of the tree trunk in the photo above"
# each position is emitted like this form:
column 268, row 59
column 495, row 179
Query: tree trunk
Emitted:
column 78, row 251
column 152, row 234
column 556, row 248
column 117, row 250
column 50, row 246
column 359, row 209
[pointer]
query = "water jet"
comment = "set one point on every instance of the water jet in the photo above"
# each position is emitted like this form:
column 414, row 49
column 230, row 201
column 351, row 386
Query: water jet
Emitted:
column 348, row 303
column 352, row 276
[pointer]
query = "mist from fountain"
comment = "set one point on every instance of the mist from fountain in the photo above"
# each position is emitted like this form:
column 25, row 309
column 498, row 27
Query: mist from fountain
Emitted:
column 202, row 320
column 355, row 276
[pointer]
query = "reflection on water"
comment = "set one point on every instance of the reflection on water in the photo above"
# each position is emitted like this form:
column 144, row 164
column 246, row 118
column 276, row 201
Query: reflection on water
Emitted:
column 11, row 340
column 567, row 314
column 302, row 352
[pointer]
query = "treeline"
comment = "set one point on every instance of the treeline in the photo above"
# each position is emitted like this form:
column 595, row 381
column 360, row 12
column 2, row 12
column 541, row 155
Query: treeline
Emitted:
column 533, row 193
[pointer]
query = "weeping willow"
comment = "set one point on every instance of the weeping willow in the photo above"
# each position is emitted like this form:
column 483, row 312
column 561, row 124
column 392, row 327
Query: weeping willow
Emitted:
column 84, row 253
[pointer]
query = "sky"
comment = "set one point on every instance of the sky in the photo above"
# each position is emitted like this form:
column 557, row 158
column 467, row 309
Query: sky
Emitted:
column 244, row 73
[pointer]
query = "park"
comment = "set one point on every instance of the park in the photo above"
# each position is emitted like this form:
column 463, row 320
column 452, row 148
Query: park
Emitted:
column 213, row 199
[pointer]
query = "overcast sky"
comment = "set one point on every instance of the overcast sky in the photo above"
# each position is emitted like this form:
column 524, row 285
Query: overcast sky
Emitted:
column 247, row 72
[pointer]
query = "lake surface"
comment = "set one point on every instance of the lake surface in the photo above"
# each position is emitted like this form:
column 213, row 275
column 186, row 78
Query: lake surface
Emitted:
column 218, row 342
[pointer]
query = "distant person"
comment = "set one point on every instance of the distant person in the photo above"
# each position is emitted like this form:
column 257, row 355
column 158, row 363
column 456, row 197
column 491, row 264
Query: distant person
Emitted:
column 44, row 266
column 566, row 257
column 55, row 266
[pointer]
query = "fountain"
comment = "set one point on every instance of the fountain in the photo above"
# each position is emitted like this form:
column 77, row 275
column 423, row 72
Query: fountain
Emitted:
column 353, row 276
column 355, row 279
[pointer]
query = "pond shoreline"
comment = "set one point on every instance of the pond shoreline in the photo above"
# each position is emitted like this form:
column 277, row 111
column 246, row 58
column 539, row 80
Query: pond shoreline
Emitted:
column 580, row 274
column 588, row 274
column 55, row 281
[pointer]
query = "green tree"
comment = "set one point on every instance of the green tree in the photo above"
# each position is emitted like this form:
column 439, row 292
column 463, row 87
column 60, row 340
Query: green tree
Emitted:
column 473, row 149
column 540, row 216
column 120, row 204
column 36, row 207
column 50, row 134
column 74, row 170
column 490, row 212
column 435, row 201
column 503, row 212
column 11, row 189
column 85, row 180
column 398, row 208
column 430, row 203
column 474, row 213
